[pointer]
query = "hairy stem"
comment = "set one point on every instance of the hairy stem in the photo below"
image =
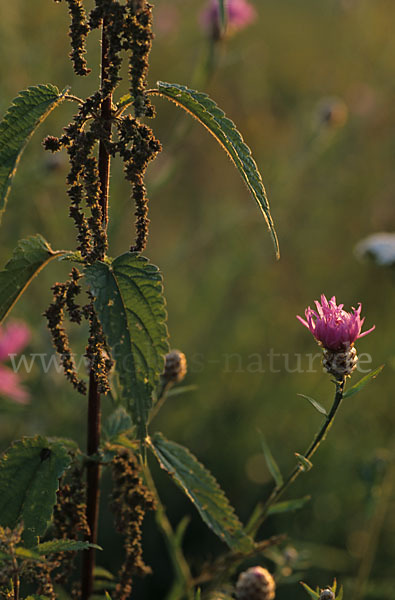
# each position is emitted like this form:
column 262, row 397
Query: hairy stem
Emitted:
column 94, row 410
column 260, row 515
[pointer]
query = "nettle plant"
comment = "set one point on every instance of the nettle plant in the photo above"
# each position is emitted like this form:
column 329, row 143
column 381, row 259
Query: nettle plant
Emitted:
column 50, row 488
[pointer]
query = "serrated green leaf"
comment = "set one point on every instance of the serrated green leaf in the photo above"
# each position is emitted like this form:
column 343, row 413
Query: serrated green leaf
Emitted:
column 29, row 479
column 271, row 463
column 362, row 382
column 197, row 594
column 117, row 423
column 25, row 114
column 304, row 462
column 37, row 597
column 130, row 303
column 340, row 594
column 316, row 404
column 107, row 596
column 62, row 545
column 206, row 111
column 29, row 257
column 288, row 505
column 203, row 491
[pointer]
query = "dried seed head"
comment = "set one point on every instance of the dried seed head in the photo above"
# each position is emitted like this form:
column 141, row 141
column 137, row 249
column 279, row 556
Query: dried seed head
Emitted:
column 327, row 594
column 255, row 584
column 175, row 366
column 340, row 364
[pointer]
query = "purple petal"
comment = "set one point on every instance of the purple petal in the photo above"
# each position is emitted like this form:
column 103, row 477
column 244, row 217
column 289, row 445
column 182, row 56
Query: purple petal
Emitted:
column 11, row 388
column 13, row 338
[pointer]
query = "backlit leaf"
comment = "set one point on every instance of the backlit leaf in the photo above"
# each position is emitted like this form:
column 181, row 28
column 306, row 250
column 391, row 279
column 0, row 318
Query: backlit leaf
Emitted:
column 314, row 595
column 63, row 545
column 203, row 491
column 362, row 382
column 130, row 303
column 29, row 479
column 314, row 403
column 29, row 257
column 206, row 111
column 288, row 505
column 271, row 463
column 20, row 121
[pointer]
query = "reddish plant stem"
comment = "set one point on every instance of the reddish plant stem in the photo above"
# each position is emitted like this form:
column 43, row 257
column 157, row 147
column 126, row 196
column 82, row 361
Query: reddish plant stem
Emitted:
column 94, row 410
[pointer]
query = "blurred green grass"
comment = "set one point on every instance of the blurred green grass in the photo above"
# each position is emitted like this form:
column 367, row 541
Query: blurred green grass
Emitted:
column 226, row 295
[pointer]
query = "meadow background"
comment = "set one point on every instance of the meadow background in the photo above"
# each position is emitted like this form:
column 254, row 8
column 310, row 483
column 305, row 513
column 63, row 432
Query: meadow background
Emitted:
column 329, row 186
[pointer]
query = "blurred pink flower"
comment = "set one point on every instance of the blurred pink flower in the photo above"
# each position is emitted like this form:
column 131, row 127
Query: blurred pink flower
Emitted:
column 240, row 13
column 13, row 338
column 333, row 327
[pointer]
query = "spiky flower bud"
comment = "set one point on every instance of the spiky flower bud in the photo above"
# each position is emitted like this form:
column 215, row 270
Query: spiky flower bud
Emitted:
column 327, row 594
column 175, row 366
column 340, row 364
column 255, row 584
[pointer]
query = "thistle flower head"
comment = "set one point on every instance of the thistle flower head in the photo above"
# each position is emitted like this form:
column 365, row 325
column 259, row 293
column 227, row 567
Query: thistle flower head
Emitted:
column 255, row 584
column 240, row 13
column 334, row 328
column 13, row 338
column 327, row 594
column 175, row 366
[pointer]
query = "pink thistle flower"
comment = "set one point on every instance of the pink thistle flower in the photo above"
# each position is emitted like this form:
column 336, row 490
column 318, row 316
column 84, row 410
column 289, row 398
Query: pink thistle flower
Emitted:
column 334, row 328
column 240, row 14
column 13, row 338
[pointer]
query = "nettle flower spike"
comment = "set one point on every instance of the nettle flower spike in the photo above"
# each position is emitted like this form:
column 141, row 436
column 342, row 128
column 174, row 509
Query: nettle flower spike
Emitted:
column 336, row 331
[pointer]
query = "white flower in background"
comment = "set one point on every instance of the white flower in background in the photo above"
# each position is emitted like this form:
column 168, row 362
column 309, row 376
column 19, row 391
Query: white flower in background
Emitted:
column 380, row 247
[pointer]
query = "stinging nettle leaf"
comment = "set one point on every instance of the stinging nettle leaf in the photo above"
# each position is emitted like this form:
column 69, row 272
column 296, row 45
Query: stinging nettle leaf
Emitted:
column 118, row 422
column 206, row 111
column 314, row 403
column 29, row 479
column 271, row 463
column 29, row 257
column 362, row 382
column 63, row 545
column 25, row 114
column 203, row 491
column 130, row 303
